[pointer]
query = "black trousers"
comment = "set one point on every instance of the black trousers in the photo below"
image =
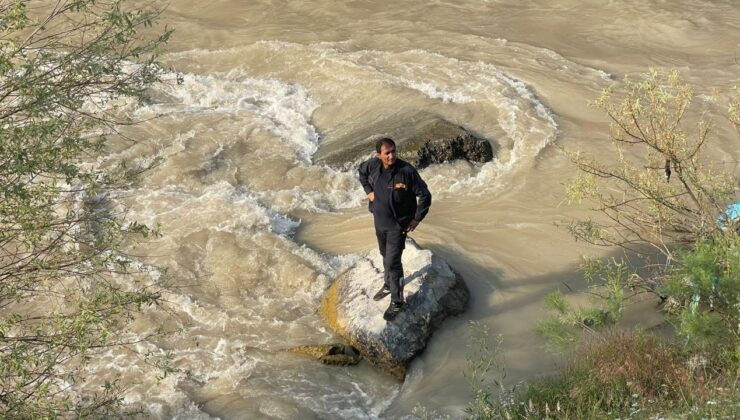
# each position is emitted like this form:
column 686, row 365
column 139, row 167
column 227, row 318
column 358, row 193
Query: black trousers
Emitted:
column 391, row 244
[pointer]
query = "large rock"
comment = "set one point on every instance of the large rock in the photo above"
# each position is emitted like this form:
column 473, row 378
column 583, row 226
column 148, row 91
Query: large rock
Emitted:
column 433, row 291
column 422, row 139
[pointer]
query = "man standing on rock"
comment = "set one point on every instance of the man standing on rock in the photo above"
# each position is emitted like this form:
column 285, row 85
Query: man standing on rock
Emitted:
column 392, row 186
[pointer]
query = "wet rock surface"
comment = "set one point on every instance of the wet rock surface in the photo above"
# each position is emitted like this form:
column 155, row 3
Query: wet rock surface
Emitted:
column 422, row 139
column 330, row 354
column 433, row 291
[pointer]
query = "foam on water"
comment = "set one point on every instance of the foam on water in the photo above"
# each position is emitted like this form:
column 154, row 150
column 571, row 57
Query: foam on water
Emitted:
column 219, row 207
column 160, row 396
column 283, row 108
column 337, row 190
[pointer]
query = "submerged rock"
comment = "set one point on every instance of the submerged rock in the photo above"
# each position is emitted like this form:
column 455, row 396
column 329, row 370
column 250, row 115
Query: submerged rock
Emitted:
column 433, row 291
column 330, row 354
column 422, row 139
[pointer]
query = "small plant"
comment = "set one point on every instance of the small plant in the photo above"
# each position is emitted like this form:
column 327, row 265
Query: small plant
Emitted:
column 703, row 294
column 485, row 373
column 608, row 282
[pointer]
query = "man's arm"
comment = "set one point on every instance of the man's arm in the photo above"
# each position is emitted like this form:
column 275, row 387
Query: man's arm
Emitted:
column 364, row 172
column 419, row 187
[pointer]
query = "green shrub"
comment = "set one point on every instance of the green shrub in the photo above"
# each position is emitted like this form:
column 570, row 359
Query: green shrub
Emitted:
column 609, row 285
column 703, row 293
column 67, row 289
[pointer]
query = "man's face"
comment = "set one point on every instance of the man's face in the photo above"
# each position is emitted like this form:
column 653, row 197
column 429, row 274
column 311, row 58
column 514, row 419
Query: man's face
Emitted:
column 387, row 155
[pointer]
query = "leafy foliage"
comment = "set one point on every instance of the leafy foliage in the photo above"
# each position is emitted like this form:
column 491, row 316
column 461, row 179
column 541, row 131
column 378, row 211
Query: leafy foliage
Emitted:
column 659, row 191
column 66, row 287
column 657, row 195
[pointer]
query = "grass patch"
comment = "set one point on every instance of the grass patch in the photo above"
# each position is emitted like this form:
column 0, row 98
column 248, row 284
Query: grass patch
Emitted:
column 630, row 375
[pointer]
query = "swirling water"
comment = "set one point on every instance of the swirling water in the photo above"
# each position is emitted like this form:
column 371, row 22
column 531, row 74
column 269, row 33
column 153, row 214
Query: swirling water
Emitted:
column 254, row 230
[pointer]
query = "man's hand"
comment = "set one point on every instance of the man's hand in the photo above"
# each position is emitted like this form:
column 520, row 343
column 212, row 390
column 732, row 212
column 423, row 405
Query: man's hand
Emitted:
column 412, row 225
column 371, row 196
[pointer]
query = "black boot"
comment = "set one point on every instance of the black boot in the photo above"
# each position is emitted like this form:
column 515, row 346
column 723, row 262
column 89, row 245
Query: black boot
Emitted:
column 383, row 292
column 393, row 309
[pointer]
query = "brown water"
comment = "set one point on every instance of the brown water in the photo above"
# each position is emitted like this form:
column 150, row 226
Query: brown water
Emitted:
column 254, row 231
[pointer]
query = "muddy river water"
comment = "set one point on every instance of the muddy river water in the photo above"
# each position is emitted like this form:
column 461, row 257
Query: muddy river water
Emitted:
column 254, row 230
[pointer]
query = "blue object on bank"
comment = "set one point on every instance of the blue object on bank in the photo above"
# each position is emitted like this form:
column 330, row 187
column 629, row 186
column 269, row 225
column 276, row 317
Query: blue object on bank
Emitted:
column 732, row 212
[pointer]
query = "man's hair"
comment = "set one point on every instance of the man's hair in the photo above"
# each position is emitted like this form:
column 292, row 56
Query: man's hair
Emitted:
column 384, row 141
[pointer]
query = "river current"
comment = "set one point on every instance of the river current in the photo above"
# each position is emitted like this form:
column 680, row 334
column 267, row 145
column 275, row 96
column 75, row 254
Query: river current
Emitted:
column 254, row 230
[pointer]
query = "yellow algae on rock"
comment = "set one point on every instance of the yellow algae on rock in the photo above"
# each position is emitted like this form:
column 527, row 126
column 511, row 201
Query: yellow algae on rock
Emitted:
column 315, row 351
column 330, row 354
column 329, row 307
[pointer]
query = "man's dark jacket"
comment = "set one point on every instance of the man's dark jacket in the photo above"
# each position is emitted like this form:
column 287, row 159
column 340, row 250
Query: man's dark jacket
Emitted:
column 407, row 185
